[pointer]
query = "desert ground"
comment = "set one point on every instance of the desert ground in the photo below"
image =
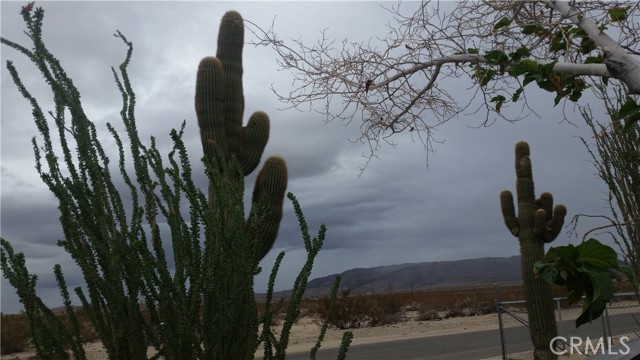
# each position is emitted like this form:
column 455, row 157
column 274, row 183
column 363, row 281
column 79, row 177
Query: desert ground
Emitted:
column 306, row 330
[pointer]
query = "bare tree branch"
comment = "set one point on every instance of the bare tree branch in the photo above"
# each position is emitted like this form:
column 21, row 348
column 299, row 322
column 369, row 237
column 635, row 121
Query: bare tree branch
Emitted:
column 404, row 80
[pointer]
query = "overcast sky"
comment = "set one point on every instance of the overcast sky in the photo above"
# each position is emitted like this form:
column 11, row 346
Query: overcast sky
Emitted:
column 398, row 211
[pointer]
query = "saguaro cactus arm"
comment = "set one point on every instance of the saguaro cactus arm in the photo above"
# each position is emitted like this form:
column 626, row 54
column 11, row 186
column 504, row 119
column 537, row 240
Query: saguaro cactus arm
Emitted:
column 555, row 225
column 230, row 44
column 255, row 136
column 269, row 188
column 540, row 215
column 509, row 212
column 209, row 105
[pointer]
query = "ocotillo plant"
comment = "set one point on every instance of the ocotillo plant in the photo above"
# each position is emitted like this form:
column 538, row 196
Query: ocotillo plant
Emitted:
column 536, row 223
column 198, row 304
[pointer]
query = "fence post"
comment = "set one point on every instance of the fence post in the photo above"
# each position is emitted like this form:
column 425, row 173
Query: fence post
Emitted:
column 607, row 325
column 500, row 325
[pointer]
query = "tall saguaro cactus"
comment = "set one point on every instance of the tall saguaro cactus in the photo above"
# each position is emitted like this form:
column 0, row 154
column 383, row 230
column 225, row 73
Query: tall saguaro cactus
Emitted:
column 235, row 151
column 536, row 223
column 220, row 106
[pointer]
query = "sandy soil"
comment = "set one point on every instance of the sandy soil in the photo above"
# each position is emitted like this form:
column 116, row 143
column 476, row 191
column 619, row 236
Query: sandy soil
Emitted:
column 306, row 330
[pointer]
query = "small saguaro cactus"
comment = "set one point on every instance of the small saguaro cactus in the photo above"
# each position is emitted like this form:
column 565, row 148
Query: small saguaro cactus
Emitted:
column 219, row 104
column 536, row 223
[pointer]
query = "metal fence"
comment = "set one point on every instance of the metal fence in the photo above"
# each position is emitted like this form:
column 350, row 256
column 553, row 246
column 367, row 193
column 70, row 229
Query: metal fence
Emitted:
column 620, row 318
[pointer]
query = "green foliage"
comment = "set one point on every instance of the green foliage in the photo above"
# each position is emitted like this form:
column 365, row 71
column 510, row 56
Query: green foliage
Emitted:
column 274, row 348
column 523, row 67
column 198, row 306
column 616, row 158
column 503, row 22
column 499, row 100
column 46, row 331
column 518, row 64
column 330, row 314
column 533, row 28
column 588, row 270
column 618, row 13
column 344, row 345
column 629, row 113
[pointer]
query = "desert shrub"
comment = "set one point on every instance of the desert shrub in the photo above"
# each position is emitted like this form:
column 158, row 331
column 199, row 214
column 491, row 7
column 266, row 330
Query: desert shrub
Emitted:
column 14, row 333
column 348, row 313
column 15, row 330
column 363, row 311
column 315, row 307
column 486, row 307
column 430, row 304
column 453, row 313
column 428, row 315
column 413, row 306
column 385, row 309
column 87, row 331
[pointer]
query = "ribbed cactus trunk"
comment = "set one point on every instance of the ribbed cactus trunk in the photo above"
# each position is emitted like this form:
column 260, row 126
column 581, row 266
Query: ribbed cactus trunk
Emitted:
column 235, row 151
column 537, row 223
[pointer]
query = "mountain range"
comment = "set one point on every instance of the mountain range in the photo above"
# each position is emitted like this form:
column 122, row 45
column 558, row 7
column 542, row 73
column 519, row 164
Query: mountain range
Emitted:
column 422, row 276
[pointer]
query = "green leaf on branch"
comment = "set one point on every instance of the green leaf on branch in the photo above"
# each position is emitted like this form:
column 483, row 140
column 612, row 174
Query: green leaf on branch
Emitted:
column 627, row 271
column 520, row 53
column 528, row 78
column 557, row 99
column 484, row 75
column 628, row 108
column 499, row 100
column 618, row 13
column 504, row 22
column 587, row 45
column 516, row 94
column 630, row 112
column 558, row 42
column 577, row 32
column 533, row 29
column 576, row 85
column 522, row 67
column 586, row 270
column 596, row 255
column 496, row 57
column 547, row 69
column 594, row 59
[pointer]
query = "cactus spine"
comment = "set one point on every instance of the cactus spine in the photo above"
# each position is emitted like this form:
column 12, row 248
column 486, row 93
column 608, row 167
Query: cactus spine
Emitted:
column 219, row 104
column 537, row 223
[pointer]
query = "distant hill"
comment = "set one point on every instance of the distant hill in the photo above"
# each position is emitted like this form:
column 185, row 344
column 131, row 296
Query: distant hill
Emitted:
column 420, row 276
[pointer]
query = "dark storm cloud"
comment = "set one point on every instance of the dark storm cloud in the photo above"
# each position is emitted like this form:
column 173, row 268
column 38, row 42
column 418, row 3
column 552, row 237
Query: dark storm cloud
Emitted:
column 397, row 211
